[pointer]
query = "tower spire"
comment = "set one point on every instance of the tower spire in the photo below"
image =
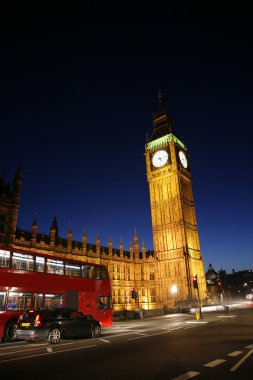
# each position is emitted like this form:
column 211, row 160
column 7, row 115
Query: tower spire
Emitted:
column 161, row 108
column 162, row 124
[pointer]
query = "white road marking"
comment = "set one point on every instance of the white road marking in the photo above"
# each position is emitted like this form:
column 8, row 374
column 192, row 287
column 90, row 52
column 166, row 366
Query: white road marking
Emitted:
column 196, row 322
column 175, row 328
column 237, row 365
column 171, row 329
column 235, row 353
column 138, row 333
column 49, row 349
column 187, row 375
column 104, row 340
column 225, row 316
column 214, row 363
column 123, row 334
column 147, row 336
column 22, row 345
column 250, row 346
column 46, row 353
column 16, row 352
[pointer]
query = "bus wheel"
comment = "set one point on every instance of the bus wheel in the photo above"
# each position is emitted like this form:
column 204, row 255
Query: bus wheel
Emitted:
column 54, row 336
column 10, row 331
column 96, row 331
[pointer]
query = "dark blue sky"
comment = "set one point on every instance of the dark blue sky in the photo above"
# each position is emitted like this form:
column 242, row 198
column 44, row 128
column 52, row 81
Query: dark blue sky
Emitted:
column 78, row 91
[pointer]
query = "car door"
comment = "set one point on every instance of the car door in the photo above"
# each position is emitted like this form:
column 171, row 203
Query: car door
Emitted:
column 82, row 324
column 66, row 322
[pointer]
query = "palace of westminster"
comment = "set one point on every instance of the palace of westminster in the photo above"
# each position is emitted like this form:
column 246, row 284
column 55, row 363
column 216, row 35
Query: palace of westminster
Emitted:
column 160, row 278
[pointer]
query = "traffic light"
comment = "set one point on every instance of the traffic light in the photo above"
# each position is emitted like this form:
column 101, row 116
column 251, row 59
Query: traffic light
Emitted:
column 134, row 294
column 219, row 284
column 195, row 281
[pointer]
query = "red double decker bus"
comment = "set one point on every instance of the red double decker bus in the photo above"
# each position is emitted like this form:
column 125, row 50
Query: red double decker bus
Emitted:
column 30, row 280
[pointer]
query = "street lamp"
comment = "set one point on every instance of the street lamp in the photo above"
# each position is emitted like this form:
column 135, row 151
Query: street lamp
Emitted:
column 173, row 290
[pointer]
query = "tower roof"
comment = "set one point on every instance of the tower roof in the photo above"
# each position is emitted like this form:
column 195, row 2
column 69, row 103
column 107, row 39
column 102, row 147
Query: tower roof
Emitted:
column 162, row 124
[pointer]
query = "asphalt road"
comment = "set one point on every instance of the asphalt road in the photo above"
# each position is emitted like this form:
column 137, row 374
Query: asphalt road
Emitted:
column 175, row 346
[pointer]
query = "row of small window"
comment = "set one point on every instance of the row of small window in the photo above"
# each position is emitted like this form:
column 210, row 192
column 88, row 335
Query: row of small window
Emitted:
column 24, row 301
column 32, row 263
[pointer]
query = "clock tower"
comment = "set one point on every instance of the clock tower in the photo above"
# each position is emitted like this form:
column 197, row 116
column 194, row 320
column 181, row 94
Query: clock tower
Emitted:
column 175, row 232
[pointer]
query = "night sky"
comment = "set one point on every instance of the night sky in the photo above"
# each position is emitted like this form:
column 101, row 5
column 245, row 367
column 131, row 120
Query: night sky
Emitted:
column 78, row 91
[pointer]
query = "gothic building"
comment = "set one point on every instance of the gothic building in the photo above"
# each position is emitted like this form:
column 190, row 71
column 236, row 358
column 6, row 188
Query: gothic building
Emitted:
column 161, row 278
column 175, row 232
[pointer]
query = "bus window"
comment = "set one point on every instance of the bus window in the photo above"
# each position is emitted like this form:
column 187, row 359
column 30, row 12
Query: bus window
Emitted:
column 2, row 300
column 5, row 258
column 98, row 273
column 53, row 300
column 18, row 301
column 88, row 271
column 23, row 262
column 54, row 266
column 104, row 302
column 72, row 269
column 40, row 264
column 38, row 300
column 104, row 274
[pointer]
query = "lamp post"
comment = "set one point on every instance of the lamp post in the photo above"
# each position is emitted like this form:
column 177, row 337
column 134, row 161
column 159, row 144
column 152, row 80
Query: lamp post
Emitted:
column 188, row 273
column 159, row 282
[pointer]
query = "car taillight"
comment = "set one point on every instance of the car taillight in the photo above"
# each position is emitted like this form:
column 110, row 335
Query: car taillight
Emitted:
column 20, row 318
column 37, row 322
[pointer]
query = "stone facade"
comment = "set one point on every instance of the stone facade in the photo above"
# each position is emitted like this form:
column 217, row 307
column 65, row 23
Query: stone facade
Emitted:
column 175, row 232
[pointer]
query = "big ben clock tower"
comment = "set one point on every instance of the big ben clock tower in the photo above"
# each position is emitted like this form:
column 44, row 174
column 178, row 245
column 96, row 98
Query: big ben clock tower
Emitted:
column 175, row 232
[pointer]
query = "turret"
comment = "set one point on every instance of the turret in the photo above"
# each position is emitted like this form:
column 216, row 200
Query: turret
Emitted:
column 34, row 233
column 84, row 243
column 121, row 249
column 69, row 247
column 143, row 250
column 98, row 245
column 11, row 207
column 16, row 186
column 136, row 246
column 53, row 234
column 110, row 246
column 131, row 252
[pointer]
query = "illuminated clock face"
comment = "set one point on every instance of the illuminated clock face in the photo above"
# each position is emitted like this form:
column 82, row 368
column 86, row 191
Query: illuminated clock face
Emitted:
column 183, row 159
column 160, row 158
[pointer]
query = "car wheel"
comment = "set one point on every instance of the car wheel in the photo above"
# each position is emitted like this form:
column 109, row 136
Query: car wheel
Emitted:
column 96, row 331
column 10, row 331
column 54, row 336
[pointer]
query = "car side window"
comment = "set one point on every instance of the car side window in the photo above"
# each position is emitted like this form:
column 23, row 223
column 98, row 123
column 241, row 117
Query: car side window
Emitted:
column 76, row 314
column 65, row 314
column 51, row 314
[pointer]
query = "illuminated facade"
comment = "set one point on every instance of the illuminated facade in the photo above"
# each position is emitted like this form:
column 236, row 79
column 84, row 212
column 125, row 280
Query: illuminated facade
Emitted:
column 161, row 278
column 175, row 232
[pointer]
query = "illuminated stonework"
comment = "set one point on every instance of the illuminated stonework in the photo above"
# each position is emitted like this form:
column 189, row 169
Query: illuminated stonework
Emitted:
column 162, row 278
column 175, row 232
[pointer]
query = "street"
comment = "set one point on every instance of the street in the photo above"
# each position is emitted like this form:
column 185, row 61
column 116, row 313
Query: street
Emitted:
column 176, row 346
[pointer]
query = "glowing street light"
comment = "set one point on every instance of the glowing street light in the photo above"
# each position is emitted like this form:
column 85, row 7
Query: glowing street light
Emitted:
column 173, row 289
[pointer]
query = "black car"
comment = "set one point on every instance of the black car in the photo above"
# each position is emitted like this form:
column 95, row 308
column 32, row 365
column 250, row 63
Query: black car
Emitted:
column 54, row 324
